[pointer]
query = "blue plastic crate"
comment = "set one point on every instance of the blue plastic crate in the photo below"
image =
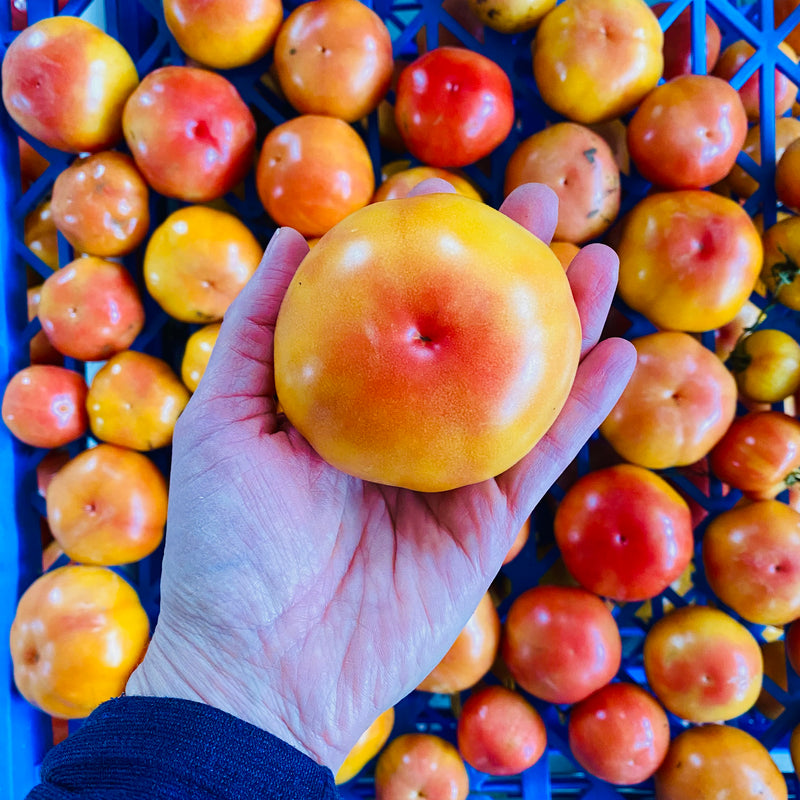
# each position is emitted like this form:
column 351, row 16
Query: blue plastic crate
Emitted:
column 25, row 733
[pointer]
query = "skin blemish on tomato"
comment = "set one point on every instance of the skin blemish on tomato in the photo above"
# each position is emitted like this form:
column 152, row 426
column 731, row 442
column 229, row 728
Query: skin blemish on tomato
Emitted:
column 30, row 657
column 590, row 154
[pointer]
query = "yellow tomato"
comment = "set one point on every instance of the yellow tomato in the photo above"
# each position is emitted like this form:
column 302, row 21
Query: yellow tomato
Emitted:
column 196, row 354
column 766, row 365
column 367, row 747
column 782, row 261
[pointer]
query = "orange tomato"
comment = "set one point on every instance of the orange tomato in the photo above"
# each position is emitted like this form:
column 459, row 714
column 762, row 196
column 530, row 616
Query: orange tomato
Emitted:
column 689, row 259
column 716, row 761
column 224, row 34
column 398, row 183
column 196, row 354
column 107, row 506
column 312, row 172
column 565, row 252
column 781, row 273
column 702, row 664
column 41, row 235
column 471, row 655
column 197, row 261
column 134, row 401
column 787, row 176
column 449, row 294
column 101, row 204
column 78, row 633
column 580, row 167
column 594, row 60
column 367, row 747
column 334, row 57
column 677, row 405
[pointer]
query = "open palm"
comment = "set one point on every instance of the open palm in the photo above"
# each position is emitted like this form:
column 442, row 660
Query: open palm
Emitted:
column 304, row 600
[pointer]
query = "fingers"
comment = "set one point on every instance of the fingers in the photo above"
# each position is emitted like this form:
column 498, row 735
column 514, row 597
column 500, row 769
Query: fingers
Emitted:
column 431, row 186
column 535, row 207
column 601, row 377
column 241, row 362
column 593, row 277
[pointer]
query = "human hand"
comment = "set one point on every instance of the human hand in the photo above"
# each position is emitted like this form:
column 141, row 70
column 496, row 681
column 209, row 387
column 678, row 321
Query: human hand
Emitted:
column 306, row 601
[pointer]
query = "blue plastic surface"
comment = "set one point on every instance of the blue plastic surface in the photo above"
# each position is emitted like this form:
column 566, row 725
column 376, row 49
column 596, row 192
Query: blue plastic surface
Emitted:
column 25, row 733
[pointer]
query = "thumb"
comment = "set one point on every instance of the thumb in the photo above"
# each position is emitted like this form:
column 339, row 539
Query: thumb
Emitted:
column 241, row 364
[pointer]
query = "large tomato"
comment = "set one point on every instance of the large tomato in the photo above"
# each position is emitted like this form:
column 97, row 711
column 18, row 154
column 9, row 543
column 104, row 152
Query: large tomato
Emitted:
column 453, row 106
column 716, row 761
column 702, row 664
column 561, row 643
column 678, row 42
column 334, row 57
column 751, row 555
column 689, row 259
column 687, row 132
column 452, row 308
column 677, row 405
column 624, row 532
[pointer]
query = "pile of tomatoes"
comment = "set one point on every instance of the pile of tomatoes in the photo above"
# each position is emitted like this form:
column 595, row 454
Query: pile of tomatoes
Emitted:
column 644, row 626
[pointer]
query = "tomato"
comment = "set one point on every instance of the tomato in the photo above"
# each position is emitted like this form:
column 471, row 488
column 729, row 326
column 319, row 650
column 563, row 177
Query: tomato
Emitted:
column 624, row 532
column 367, row 747
column 134, row 401
column 101, row 203
column 579, row 166
column 560, row 643
column 781, row 272
column 511, row 16
column 224, row 34
column 677, row 405
column 196, row 354
column 619, row 734
column 78, row 633
column 471, row 655
column 108, row 506
column 678, row 42
column 429, row 289
column 400, row 182
column 41, row 235
column 334, row 57
column 197, row 261
column 689, row 259
column 733, row 59
column 792, row 643
column 715, row 761
column 687, row 133
column 44, row 405
column 453, row 106
column 312, row 172
column 759, row 454
column 702, row 664
column 594, row 60
column 499, row 732
column 787, row 176
column 751, row 555
column 740, row 182
column 766, row 365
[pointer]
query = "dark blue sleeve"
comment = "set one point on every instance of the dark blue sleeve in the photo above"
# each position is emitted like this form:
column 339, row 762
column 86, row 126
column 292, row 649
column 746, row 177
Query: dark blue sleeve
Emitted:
column 154, row 748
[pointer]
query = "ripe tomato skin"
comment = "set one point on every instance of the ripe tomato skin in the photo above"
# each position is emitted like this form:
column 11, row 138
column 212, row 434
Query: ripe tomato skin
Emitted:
column 678, row 42
column 561, row 643
column 689, row 259
column 334, row 57
column 714, row 761
column 768, row 369
column 453, row 106
column 687, row 132
column 751, row 555
column 312, row 172
column 781, row 259
column 758, row 453
column 702, row 664
column 624, row 532
column 677, row 405
column 619, row 734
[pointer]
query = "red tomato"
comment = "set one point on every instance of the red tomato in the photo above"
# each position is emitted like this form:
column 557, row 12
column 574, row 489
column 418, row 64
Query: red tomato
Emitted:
column 686, row 133
column 751, row 555
column 453, row 106
column 561, row 643
column 619, row 734
column 791, row 640
column 624, row 532
column 499, row 732
column 716, row 761
column 678, row 42
column 702, row 664
column 759, row 454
